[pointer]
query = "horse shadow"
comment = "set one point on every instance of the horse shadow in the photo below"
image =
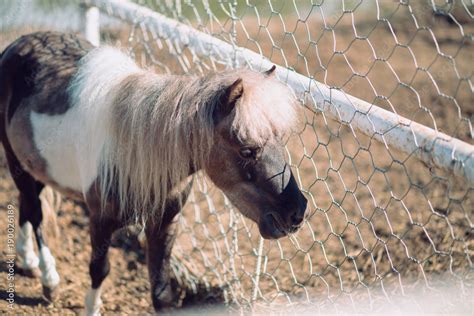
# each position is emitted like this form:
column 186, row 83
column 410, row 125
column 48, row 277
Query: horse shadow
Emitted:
column 19, row 299
column 24, row 300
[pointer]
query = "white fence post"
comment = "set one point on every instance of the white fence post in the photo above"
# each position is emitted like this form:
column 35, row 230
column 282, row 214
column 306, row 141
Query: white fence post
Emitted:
column 91, row 26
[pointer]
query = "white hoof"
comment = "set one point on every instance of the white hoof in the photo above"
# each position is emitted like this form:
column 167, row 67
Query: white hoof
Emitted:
column 49, row 275
column 51, row 294
column 93, row 302
column 27, row 259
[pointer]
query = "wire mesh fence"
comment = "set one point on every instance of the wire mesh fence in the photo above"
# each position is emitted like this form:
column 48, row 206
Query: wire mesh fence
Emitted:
column 385, row 221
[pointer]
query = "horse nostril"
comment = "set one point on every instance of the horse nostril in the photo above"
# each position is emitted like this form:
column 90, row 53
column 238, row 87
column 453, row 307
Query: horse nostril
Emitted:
column 297, row 217
column 303, row 205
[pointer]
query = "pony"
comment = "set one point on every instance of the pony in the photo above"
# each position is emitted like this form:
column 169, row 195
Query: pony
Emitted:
column 125, row 141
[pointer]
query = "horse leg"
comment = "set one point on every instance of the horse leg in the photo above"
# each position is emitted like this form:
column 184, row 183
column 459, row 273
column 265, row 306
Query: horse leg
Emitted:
column 27, row 260
column 31, row 216
column 101, row 230
column 159, row 246
column 47, row 264
column 160, row 236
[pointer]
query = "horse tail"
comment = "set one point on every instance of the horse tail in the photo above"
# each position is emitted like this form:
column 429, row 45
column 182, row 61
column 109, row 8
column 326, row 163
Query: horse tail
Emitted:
column 50, row 202
column 5, row 96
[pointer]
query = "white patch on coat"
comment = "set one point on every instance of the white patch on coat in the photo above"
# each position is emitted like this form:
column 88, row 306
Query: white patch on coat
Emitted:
column 27, row 258
column 47, row 264
column 93, row 302
column 71, row 143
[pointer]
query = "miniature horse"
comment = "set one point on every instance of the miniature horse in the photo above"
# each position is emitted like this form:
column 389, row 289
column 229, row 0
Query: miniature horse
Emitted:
column 95, row 127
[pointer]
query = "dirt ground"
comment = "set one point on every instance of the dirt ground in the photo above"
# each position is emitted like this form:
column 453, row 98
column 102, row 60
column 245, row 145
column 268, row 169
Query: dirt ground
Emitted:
column 379, row 218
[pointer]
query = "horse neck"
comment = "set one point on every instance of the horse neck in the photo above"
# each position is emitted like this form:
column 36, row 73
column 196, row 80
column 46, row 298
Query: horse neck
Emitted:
column 158, row 131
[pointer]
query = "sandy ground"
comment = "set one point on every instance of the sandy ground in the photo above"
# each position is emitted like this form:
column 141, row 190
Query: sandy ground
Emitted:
column 380, row 219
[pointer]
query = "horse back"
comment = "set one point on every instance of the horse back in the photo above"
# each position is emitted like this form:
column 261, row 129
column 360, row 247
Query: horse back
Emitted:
column 41, row 65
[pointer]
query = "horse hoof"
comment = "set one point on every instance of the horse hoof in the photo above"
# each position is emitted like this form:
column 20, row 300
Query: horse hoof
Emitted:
column 164, row 311
column 51, row 294
column 91, row 313
column 30, row 273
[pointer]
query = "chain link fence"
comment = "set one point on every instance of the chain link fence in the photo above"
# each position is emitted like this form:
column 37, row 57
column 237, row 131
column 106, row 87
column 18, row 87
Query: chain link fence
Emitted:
column 390, row 179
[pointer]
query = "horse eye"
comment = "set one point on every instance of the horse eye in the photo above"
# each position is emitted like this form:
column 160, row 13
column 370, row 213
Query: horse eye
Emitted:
column 246, row 152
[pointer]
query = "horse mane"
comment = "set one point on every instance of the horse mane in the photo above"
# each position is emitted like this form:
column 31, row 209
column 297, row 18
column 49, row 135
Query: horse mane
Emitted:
column 161, row 127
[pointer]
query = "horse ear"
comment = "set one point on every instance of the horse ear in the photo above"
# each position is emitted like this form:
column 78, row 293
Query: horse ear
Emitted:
column 231, row 95
column 270, row 72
